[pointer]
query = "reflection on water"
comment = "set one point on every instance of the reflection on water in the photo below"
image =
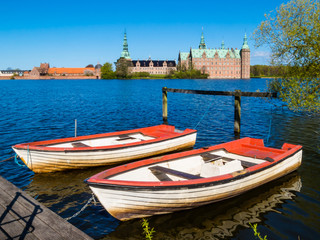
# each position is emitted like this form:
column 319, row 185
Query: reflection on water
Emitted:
column 65, row 193
column 219, row 220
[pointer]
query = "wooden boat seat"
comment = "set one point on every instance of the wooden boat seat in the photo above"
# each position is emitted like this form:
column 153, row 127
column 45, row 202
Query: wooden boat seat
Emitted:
column 184, row 175
column 247, row 164
column 79, row 145
column 124, row 137
column 209, row 157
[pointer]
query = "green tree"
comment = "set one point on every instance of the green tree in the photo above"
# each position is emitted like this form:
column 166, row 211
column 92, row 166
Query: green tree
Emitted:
column 188, row 74
column 122, row 68
column 293, row 34
column 107, row 71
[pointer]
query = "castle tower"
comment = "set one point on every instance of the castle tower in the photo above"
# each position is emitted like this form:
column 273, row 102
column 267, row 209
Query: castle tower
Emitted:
column 245, row 59
column 222, row 45
column 202, row 44
column 125, row 52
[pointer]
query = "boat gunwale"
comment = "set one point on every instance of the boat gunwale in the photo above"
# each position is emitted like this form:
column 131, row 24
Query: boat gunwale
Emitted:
column 185, row 184
column 99, row 180
column 38, row 146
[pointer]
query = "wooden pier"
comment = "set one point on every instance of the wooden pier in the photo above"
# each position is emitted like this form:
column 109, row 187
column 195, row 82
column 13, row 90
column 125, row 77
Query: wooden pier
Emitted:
column 22, row 217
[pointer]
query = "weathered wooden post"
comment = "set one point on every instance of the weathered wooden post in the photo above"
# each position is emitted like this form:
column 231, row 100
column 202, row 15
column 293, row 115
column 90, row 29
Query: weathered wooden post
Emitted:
column 237, row 111
column 237, row 102
column 164, row 106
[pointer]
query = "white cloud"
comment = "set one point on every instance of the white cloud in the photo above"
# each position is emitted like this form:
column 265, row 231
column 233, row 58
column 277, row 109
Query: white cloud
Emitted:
column 261, row 54
column 260, row 58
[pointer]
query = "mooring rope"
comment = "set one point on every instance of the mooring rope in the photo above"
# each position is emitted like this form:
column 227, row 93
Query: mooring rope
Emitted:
column 28, row 155
column 7, row 159
column 16, row 161
column 204, row 115
column 83, row 208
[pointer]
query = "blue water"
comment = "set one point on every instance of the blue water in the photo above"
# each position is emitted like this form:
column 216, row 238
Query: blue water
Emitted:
column 287, row 208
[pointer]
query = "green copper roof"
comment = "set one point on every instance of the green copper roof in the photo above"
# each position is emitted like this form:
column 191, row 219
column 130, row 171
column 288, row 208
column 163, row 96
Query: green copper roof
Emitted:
column 125, row 52
column 210, row 53
column 222, row 45
column 245, row 42
column 202, row 44
column 184, row 55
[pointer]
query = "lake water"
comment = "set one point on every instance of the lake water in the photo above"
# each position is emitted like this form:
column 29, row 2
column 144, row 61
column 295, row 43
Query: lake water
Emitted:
column 287, row 208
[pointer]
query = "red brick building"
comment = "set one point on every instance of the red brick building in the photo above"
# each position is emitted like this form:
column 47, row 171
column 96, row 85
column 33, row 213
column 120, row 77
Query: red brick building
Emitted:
column 218, row 63
column 45, row 70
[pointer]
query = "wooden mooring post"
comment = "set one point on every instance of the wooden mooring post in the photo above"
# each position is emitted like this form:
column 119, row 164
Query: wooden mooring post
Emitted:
column 164, row 105
column 237, row 101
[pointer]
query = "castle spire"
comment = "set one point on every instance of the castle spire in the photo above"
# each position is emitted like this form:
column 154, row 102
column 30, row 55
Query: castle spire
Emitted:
column 125, row 52
column 245, row 42
column 222, row 45
column 202, row 44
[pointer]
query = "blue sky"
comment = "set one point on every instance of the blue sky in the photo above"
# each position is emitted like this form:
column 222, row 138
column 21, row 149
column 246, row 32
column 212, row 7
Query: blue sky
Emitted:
column 78, row 33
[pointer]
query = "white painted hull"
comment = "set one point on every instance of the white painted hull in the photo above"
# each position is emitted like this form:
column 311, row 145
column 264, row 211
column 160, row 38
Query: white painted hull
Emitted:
column 126, row 202
column 49, row 161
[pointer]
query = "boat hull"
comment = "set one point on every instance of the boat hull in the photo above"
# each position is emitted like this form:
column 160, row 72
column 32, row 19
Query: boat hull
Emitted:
column 41, row 161
column 126, row 202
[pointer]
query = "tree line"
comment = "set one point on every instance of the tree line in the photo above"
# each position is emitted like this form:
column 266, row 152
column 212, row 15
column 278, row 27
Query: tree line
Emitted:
column 267, row 71
column 122, row 72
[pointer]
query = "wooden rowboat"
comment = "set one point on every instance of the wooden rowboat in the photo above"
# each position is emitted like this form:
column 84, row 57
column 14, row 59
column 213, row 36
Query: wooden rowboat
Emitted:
column 190, row 179
column 103, row 149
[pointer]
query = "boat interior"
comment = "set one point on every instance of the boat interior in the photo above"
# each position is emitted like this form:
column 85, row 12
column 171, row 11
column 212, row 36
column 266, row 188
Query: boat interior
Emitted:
column 104, row 141
column 204, row 165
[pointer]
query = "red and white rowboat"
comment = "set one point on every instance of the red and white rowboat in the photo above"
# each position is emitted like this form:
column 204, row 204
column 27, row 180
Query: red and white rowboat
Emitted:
column 103, row 149
column 190, row 179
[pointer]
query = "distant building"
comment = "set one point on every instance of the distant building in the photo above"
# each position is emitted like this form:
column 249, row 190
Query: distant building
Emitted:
column 71, row 71
column 218, row 63
column 149, row 66
column 10, row 73
column 40, row 71
column 153, row 66
column 45, row 70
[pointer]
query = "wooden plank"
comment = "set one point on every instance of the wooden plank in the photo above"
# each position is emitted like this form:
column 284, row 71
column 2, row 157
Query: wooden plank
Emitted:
column 124, row 137
column 174, row 172
column 33, row 216
column 209, row 157
column 222, row 93
column 79, row 145
column 11, row 227
column 244, row 163
column 16, row 206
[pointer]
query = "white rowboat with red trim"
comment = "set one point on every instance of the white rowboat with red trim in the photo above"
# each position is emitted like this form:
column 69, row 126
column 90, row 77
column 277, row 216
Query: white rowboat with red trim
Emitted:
column 190, row 179
column 103, row 149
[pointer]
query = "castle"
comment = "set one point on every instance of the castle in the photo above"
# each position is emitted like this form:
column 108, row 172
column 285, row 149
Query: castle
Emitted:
column 218, row 63
column 149, row 65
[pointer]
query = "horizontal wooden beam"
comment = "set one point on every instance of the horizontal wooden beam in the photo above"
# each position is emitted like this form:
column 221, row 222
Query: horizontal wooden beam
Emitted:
column 221, row 93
